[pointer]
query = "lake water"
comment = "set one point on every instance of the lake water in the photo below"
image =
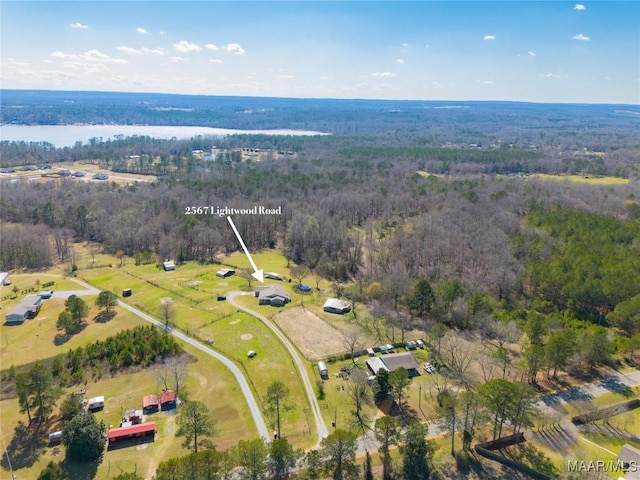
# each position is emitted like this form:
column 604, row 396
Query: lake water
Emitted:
column 68, row 135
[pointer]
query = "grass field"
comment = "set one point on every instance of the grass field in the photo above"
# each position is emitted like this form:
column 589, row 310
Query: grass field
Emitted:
column 208, row 381
column 592, row 180
column 193, row 288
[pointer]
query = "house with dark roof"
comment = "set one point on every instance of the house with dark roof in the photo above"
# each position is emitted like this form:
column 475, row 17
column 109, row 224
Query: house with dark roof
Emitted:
column 274, row 295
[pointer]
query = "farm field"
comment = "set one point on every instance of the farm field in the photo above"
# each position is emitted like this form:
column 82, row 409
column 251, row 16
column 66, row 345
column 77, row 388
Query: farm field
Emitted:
column 590, row 179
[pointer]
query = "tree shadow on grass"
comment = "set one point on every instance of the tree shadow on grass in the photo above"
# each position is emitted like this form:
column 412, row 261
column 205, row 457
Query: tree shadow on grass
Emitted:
column 62, row 338
column 104, row 316
column 26, row 446
column 81, row 470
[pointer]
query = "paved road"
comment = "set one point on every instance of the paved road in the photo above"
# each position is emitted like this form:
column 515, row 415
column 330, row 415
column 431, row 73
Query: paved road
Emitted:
column 613, row 383
column 321, row 428
column 256, row 412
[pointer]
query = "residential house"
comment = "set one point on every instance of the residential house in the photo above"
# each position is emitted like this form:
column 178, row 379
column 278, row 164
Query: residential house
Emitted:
column 274, row 295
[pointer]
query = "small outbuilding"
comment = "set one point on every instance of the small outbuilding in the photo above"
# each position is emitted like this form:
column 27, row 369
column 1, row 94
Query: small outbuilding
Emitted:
column 55, row 437
column 150, row 404
column 126, row 292
column 323, row 370
column 225, row 272
column 4, row 279
column 334, row 305
column 273, row 276
column 169, row 266
column 168, row 400
column 96, row 403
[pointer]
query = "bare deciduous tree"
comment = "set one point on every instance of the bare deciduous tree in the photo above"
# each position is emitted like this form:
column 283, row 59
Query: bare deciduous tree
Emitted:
column 167, row 310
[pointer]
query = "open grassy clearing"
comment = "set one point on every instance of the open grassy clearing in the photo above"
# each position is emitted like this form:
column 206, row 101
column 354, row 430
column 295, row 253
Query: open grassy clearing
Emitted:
column 593, row 180
column 208, row 381
column 234, row 336
column 38, row 338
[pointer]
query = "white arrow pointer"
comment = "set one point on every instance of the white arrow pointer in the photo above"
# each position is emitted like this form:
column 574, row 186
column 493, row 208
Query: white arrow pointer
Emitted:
column 257, row 274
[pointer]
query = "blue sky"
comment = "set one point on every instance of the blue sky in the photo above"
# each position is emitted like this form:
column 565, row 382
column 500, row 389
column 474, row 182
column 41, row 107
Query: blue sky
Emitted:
column 549, row 51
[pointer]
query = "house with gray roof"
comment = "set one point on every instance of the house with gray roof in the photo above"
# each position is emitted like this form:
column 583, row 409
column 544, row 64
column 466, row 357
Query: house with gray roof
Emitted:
column 274, row 295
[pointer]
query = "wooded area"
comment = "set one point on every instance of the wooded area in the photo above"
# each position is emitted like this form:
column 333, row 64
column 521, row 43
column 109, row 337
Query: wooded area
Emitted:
column 424, row 219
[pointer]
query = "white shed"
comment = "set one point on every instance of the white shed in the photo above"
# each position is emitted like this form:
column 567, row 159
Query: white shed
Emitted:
column 95, row 403
column 322, row 369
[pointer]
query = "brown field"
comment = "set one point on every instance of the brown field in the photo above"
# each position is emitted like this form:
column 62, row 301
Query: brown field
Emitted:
column 313, row 336
column 88, row 169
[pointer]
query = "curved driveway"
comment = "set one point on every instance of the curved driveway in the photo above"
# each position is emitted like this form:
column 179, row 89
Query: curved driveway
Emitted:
column 256, row 412
column 263, row 431
column 306, row 383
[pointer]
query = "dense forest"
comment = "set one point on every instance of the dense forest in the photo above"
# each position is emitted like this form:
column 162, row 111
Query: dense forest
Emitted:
column 429, row 213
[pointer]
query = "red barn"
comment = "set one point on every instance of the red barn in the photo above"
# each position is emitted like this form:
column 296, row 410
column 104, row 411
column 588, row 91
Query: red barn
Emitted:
column 143, row 431
column 150, row 404
column 168, row 400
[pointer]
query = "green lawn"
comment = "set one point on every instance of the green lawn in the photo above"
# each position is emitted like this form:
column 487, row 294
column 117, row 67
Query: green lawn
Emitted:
column 37, row 338
column 208, row 381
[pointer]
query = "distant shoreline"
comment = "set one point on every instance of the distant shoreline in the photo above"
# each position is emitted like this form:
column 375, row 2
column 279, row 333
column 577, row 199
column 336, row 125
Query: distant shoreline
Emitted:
column 67, row 135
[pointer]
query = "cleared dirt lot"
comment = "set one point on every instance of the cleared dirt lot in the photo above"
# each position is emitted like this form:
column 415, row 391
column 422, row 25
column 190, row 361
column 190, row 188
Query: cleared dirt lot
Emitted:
column 313, row 336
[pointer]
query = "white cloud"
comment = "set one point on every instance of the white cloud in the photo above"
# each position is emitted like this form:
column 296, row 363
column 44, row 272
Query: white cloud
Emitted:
column 88, row 56
column 141, row 30
column 383, row 74
column 549, row 75
column 400, row 61
column 532, row 54
column 489, row 82
column 78, row 25
column 186, row 47
column 177, row 59
column 211, row 46
column 579, row 7
column 405, row 45
column 141, row 51
column 581, row 37
column 489, row 37
column 285, row 76
column 235, row 48
column 215, row 60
